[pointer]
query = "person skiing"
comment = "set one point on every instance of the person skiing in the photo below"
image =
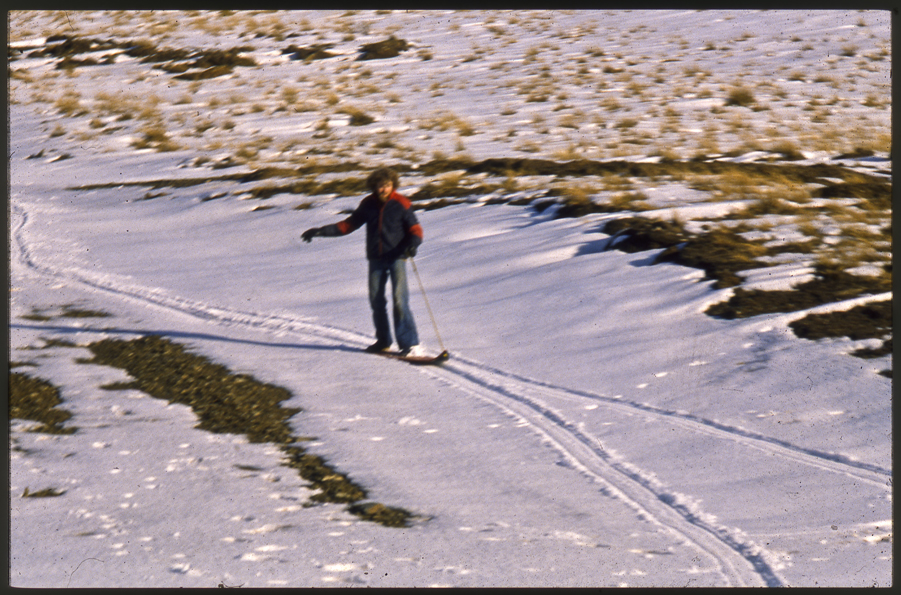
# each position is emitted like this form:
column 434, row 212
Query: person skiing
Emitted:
column 392, row 235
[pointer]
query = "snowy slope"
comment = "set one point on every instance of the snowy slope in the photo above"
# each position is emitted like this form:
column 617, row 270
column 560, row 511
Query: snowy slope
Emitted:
column 593, row 428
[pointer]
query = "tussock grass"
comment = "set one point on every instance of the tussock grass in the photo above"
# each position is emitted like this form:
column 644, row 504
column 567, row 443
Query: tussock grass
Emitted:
column 815, row 117
column 45, row 493
column 70, row 311
column 767, row 204
column 70, row 104
column 621, row 68
column 357, row 116
column 449, row 122
column 869, row 321
column 67, row 311
column 155, row 136
column 831, row 284
column 35, row 399
column 630, row 201
column 389, row 48
column 740, row 96
column 310, row 53
column 68, row 46
column 877, row 194
column 309, row 187
column 721, row 253
column 638, row 234
column 225, row 402
column 450, row 186
column 37, row 316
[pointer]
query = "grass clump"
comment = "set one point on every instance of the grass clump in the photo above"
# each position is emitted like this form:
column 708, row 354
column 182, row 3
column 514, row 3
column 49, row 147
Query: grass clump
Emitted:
column 380, row 50
column 637, row 234
column 877, row 194
column 358, row 117
column 226, row 402
column 70, row 105
column 63, row 46
column 341, row 187
column 73, row 312
column 379, row 513
column 310, row 53
column 206, row 73
column 721, row 253
column 741, row 97
column 450, row 186
column 155, row 136
column 577, row 204
column 334, row 487
column 830, row 284
column 868, row 321
column 37, row 316
column 35, row 399
column 68, row 311
column 45, row 493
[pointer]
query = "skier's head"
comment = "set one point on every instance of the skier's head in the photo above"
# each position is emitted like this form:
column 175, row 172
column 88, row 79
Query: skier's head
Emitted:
column 382, row 177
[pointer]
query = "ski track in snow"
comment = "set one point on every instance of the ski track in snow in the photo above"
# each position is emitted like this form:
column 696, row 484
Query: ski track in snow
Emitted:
column 629, row 483
column 740, row 560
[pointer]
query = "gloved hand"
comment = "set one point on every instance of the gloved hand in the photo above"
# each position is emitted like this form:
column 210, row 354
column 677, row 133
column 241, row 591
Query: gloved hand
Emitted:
column 410, row 252
column 309, row 234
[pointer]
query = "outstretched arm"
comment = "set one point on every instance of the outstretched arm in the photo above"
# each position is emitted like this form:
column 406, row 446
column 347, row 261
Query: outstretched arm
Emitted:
column 335, row 229
column 324, row 232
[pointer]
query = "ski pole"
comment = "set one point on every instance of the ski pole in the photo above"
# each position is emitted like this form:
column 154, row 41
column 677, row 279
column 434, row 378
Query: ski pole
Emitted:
column 428, row 307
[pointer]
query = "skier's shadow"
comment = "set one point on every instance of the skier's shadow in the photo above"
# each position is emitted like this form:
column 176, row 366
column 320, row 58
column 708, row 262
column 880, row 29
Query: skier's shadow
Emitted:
column 185, row 335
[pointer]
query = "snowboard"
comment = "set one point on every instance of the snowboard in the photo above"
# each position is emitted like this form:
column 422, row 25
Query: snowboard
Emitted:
column 418, row 360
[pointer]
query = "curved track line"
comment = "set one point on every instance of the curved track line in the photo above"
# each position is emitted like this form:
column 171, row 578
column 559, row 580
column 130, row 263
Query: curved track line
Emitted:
column 159, row 298
column 836, row 463
column 740, row 561
column 591, row 459
column 490, row 377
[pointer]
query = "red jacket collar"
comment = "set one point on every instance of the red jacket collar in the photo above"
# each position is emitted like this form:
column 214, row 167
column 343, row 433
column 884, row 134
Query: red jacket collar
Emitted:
column 394, row 196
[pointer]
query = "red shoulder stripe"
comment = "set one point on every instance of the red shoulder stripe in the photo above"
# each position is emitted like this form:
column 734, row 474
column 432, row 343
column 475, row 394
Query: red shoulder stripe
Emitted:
column 403, row 200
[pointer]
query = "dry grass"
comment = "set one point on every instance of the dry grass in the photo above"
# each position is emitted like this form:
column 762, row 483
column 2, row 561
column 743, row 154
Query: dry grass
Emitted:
column 544, row 85
column 740, row 96
column 155, row 136
column 70, row 104
column 35, row 399
column 808, row 113
column 234, row 404
column 630, row 201
column 357, row 116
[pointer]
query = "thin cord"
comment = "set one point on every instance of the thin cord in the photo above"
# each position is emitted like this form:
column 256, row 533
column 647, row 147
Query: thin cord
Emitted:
column 428, row 307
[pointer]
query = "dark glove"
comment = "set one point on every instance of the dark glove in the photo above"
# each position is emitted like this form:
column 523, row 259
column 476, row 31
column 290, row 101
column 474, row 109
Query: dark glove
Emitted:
column 309, row 234
column 410, row 252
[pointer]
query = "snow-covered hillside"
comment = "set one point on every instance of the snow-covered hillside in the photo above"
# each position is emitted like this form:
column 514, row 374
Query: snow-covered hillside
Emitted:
column 593, row 427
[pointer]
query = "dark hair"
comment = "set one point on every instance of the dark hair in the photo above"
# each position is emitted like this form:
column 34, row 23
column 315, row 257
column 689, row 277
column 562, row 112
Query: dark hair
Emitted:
column 380, row 176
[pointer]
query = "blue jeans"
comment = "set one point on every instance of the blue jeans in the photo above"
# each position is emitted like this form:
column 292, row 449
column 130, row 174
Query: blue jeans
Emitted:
column 404, row 326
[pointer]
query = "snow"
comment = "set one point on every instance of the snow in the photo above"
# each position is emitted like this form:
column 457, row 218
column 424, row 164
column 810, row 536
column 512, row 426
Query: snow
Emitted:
column 593, row 426
column 777, row 278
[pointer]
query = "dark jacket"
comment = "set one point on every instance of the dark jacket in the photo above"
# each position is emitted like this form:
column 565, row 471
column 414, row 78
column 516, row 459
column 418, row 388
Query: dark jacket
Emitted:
column 391, row 227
